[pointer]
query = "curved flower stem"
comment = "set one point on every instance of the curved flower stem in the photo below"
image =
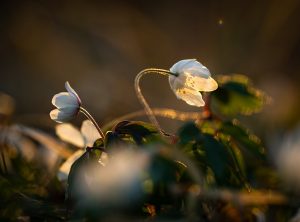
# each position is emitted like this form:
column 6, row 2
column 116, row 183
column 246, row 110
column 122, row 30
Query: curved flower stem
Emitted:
column 142, row 99
column 89, row 116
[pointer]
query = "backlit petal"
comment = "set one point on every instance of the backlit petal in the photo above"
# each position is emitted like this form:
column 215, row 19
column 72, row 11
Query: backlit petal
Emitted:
column 65, row 168
column 89, row 132
column 68, row 133
column 64, row 99
column 190, row 96
column 201, row 84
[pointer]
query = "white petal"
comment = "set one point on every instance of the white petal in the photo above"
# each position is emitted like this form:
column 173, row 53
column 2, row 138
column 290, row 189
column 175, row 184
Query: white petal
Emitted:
column 64, row 169
column 201, row 84
column 64, row 99
column 197, row 69
column 72, row 91
column 89, row 132
column 62, row 115
column 68, row 133
column 179, row 66
column 190, row 96
column 177, row 82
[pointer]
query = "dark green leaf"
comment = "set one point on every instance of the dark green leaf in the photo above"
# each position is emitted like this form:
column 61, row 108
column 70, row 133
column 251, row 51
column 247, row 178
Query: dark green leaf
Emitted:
column 217, row 157
column 112, row 139
column 243, row 138
column 74, row 174
column 189, row 132
column 138, row 130
column 98, row 143
column 236, row 95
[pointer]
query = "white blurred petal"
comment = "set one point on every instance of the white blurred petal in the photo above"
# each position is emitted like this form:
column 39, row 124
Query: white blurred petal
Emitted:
column 68, row 133
column 64, row 99
column 89, row 132
column 118, row 180
column 64, row 169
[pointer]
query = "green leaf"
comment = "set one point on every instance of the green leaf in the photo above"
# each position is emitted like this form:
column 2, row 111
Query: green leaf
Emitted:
column 112, row 139
column 74, row 174
column 238, row 166
column 98, row 143
column 163, row 172
column 138, row 130
column 187, row 133
column 236, row 95
column 243, row 138
column 216, row 156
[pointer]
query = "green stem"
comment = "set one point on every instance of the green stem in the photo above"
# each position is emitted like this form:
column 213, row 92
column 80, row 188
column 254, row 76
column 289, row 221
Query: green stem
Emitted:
column 142, row 99
column 89, row 116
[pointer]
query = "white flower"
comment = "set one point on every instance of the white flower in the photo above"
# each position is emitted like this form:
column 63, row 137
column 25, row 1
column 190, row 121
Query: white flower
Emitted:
column 190, row 78
column 67, row 104
column 86, row 137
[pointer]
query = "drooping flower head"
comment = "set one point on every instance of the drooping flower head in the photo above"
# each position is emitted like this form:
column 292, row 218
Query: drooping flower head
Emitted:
column 189, row 79
column 67, row 103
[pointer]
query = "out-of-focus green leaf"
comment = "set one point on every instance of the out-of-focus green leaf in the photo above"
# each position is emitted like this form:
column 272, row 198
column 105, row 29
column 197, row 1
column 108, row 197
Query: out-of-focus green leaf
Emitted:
column 236, row 95
column 209, row 126
column 216, row 156
column 138, row 130
column 75, row 172
column 189, row 132
column 112, row 139
column 163, row 173
column 238, row 167
column 216, row 159
column 243, row 138
column 98, row 143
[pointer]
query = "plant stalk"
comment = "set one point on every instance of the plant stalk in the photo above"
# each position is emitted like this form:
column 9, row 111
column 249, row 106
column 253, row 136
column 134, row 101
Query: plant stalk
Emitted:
column 89, row 116
column 142, row 99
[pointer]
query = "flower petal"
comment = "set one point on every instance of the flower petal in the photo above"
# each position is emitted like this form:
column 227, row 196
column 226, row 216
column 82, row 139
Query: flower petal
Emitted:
column 197, row 69
column 179, row 66
column 68, row 133
column 64, row 99
column 65, row 168
column 72, row 91
column 89, row 132
column 190, row 96
column 62, row 115
column 201, row 84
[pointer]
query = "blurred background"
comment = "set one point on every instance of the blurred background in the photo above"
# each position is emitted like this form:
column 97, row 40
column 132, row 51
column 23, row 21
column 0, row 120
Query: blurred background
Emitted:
column 99, row 47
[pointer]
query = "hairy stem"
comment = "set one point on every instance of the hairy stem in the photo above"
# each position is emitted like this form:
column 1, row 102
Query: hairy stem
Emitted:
column 89, row 116
column 142, row 99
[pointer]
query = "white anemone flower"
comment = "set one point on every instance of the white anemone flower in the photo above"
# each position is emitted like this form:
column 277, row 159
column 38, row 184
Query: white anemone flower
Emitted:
column 67, row 103
column 86, row 137
column 189, row 79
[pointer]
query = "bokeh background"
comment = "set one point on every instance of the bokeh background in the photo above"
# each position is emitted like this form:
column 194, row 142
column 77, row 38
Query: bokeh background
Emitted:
column 99, row 46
